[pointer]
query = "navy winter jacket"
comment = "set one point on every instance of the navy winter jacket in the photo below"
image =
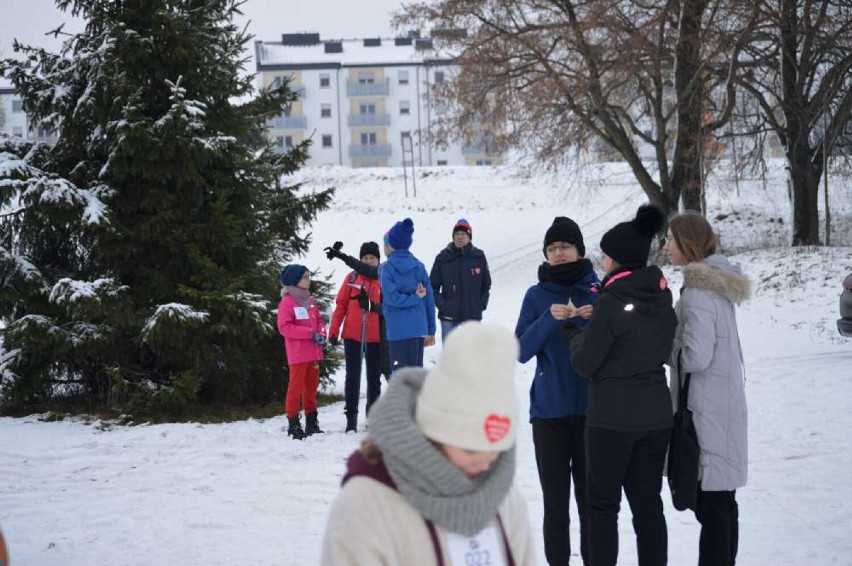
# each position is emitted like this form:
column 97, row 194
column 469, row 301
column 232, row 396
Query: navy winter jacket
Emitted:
column 461, row 282
column 406, row 314
column 557, row 389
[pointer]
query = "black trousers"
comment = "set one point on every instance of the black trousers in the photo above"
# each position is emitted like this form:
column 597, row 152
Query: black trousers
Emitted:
column 352, row 387
column 718, row 513
column 560, row 454
column 632, row 461
column 406, row 353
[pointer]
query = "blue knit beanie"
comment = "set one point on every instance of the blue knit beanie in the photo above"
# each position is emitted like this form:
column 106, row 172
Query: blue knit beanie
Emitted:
column 400, row 236
column 292, row 274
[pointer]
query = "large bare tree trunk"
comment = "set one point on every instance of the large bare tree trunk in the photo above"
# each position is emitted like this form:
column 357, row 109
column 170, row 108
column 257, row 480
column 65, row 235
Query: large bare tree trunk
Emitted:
column 686, row 162
column 805, row 177
column 804, row 174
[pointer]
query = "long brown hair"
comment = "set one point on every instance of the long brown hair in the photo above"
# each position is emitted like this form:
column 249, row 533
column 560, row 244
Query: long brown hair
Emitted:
column 693, row 235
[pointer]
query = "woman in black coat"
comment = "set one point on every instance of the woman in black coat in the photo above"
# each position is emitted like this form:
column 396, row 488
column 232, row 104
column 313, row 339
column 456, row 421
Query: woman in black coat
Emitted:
column 629, row 418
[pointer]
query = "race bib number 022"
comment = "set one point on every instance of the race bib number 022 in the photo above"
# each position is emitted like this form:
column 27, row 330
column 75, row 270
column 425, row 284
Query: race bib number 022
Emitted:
column 482, row 549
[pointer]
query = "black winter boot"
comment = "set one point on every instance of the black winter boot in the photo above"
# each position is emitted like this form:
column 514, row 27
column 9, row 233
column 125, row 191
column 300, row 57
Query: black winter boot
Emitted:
column 312, row 424
column 295, row 428
column 352, row 422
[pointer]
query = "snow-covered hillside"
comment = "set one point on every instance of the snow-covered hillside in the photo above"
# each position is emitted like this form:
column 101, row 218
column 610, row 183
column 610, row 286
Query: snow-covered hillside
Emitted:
column 78, row 493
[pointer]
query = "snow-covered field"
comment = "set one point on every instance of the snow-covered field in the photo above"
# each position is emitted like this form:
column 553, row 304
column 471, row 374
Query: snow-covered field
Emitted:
column 78, row 493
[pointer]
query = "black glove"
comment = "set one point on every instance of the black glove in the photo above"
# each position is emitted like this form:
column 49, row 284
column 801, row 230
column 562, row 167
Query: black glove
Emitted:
column 334, row 340
column 363, row 300
column 333, row 251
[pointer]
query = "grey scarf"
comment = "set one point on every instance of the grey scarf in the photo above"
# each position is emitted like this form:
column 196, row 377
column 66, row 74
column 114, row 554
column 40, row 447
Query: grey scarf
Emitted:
column 438, row 489
column 301, row 296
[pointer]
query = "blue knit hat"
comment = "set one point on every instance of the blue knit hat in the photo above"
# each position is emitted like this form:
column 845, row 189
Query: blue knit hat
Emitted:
column 400, row 236
column 292, row 274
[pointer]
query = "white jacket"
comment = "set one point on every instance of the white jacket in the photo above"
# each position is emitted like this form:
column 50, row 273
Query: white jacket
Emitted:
column 709, row 347
column 372, row 524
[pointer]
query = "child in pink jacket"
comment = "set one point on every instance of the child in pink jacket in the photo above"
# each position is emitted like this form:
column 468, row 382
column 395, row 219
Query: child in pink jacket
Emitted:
column 301, row 325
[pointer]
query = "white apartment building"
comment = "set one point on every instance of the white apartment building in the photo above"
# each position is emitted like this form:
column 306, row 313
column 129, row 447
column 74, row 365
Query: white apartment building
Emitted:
column 361, row 100
column 14, row 121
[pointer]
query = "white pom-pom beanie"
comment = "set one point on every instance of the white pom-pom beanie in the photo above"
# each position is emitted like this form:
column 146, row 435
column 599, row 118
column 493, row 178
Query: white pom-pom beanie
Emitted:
column 468, row 399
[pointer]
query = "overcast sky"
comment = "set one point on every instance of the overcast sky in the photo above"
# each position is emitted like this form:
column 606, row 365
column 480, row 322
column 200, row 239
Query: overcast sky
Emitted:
column 29, row 20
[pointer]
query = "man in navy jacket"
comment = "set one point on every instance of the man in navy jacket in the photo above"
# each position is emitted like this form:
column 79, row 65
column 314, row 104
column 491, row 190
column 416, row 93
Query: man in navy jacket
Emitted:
column 460, row 280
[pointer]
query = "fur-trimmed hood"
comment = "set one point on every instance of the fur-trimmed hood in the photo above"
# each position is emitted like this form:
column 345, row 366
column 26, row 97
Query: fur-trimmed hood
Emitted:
column 716, row 273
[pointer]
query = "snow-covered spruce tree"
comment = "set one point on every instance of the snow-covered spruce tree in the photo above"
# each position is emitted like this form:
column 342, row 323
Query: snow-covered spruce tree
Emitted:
column 140, row 253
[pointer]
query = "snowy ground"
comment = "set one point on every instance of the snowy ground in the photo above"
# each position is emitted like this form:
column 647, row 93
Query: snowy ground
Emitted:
column 77, row 493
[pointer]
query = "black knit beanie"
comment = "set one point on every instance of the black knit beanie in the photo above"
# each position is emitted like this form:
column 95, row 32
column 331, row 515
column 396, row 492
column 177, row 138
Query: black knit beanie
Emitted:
column 369, row 248
column 629, row 243
column 564, row 229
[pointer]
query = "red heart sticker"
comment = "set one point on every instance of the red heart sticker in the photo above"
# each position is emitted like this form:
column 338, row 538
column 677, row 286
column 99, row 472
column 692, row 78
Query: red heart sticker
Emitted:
column 496, row 427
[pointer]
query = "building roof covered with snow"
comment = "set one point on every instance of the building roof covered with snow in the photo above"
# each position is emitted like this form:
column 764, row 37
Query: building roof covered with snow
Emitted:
column 298, row 51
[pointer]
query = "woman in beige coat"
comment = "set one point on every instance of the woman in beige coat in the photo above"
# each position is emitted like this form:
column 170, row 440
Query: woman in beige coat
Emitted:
column 707, row 346
column 433, row 482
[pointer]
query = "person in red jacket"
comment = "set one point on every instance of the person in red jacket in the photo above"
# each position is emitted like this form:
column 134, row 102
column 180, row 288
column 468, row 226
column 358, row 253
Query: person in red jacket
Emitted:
column 301, row 325
column 357, row 309
column 4, row 555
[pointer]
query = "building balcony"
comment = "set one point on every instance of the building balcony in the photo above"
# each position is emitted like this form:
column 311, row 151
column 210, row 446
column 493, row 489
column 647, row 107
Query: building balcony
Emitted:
column 288, row 123
column 369, row 89
column 359, row 120
column 370, row 150
column 473, row 149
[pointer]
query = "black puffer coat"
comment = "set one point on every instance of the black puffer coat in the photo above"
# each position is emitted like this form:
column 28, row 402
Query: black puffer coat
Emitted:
column 622, row 351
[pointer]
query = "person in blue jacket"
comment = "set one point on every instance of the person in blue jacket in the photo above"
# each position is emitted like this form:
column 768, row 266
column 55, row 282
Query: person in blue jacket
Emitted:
column 409, row 305
column 558, row 395
column 460, row 280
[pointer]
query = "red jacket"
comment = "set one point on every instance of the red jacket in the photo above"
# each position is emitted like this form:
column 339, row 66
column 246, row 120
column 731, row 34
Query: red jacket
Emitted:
column 348, row 313
column 297, row 325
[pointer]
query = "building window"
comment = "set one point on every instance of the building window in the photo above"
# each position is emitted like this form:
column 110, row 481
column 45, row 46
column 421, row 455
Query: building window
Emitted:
column 403, row 77
column 368, row 138
column 43, row 132
column 286, row 111
column 17, row 105
column 18, row 132
column 325, row 80
column 277, row 82
column 367, row 109
column 325, row 111
column 326, row 141
column 404, row 108
column 284, row 142
column 483, row 162
column 366, row 78
column 439, row 77
column 442, row 162
column 406, row 134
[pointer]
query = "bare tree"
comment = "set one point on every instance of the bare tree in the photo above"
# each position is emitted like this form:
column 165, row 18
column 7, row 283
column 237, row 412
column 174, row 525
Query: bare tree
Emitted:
column 569, row 76
column 801, row 78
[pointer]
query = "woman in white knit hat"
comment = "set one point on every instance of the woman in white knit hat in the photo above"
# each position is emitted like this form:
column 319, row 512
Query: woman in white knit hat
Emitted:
column 433, row 482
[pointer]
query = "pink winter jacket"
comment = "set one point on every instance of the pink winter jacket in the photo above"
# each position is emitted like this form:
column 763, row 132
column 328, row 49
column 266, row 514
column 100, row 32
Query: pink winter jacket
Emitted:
column 298, row 330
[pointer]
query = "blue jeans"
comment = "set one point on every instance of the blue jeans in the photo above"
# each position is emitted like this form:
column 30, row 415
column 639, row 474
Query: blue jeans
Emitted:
column 447, row 327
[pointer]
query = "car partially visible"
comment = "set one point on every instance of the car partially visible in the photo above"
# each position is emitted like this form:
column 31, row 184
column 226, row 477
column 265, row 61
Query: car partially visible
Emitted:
column 844, row 323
